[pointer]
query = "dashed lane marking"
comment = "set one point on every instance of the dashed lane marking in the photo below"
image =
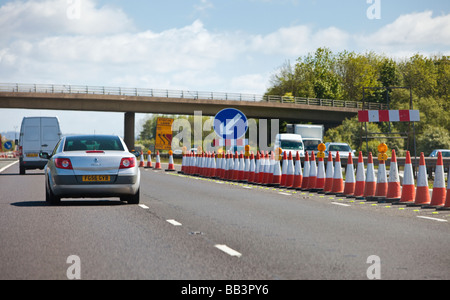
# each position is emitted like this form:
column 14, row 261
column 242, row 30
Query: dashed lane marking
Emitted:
column 228, row 250
column 174, row 223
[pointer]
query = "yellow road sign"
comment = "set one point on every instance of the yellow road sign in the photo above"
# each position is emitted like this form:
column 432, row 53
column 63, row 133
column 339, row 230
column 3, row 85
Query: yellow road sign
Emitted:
column 164, row 134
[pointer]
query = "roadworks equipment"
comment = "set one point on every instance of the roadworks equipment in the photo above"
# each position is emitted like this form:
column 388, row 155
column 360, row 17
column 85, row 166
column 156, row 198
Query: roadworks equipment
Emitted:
column 349, row 187
column 306, row 172
column 394, row 190
column 439, row 191
column 338, row 182
column 408, row 187
column 158, row 162
column 298, row 174
column 360, row 178
column 329, row 174
column 422, row 190
column 371, row 183
column 312, row 172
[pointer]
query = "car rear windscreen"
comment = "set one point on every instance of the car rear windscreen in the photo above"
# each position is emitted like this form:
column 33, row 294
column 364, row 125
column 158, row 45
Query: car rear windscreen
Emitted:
column 93, row 143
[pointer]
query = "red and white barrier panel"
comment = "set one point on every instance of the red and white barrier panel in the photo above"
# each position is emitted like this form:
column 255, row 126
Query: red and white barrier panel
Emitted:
column 388, row 116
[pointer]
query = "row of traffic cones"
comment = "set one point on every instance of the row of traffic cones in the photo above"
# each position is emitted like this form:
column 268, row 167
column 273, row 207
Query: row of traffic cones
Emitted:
column 157, row 166
column 264, row 169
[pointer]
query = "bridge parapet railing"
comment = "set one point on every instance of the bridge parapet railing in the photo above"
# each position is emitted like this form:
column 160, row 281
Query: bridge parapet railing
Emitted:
column 182, row 94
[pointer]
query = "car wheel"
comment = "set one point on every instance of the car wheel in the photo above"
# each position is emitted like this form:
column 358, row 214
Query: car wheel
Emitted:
column 50, row 197
column 134, row 199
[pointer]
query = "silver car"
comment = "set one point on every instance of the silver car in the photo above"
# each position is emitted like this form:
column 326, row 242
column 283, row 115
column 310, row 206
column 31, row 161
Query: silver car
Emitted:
column 91, row 166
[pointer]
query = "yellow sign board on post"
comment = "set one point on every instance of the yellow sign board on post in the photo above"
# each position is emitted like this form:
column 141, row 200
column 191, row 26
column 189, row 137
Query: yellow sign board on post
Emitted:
column 164, row 134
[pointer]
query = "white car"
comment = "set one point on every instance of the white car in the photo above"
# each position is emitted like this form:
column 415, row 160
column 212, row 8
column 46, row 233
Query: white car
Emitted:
column 343, row 148
column 91, row 166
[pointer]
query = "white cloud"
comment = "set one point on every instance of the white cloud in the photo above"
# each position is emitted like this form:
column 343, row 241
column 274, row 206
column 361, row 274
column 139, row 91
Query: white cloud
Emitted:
column 411, row 33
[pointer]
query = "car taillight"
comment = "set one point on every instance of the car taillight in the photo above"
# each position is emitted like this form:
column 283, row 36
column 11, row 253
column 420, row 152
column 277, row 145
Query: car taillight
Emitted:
column 127, row 162
column 63, row 163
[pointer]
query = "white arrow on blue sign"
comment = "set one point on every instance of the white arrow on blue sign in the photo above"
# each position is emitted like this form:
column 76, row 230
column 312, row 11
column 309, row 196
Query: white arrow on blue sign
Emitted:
column 230, row 123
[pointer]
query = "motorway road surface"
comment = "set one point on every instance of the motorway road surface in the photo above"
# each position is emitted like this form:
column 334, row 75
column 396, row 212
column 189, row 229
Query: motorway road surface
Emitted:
column 195, row 228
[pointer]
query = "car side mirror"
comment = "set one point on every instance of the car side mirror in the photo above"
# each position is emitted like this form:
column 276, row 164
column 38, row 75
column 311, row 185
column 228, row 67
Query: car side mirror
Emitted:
column 44, row 155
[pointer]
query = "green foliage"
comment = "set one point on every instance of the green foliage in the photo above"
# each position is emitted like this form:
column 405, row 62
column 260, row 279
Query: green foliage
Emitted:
column 324, row 74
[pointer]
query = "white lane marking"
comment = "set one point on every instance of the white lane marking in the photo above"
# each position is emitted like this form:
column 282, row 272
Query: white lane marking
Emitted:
column 341, row 204
column 228, row 250
column 174, row 223
column 434, row 219
column 286, row 194
column 144, row 206
column 10, row 165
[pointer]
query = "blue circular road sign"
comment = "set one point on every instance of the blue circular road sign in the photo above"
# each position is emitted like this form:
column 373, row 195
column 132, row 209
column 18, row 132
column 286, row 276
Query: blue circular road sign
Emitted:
column 230, row 123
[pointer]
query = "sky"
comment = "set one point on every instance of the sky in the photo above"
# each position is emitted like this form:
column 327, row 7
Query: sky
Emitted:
column 205, row 45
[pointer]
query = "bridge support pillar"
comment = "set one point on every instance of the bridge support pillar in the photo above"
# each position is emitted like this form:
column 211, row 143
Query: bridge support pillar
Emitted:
column 129, row 130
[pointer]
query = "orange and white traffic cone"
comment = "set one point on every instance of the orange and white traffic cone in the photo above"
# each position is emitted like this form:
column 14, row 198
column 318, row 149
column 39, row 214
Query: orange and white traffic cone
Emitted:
column 298, row 174
column 141, row 161
column 149, row 159
column 158, row 162
column 329, row 175
column 381, row 189
column 241, row 167
column 306, row 169
column 360, row 178
column 439, row 192
column 338, row 181
column 394, row 192
column 276, row 178
column 236, row 167
column 252, row 168
column 371, row 183
column 266, row 169
column 257, row 168
column 272, row 168
column 312, row 172
column 321, row 175
column 284, row 170
column 246, row 167
column 408, row 187
column 171, row 166
column 290, row 172
column 349, row 187
column 422, row 190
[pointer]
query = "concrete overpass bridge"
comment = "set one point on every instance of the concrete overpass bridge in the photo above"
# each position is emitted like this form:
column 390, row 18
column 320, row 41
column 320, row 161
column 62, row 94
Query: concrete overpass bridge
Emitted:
column 135, row 100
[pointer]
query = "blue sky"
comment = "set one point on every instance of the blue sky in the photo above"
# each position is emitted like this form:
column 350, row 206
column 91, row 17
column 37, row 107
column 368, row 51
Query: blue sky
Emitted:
column 207, row 45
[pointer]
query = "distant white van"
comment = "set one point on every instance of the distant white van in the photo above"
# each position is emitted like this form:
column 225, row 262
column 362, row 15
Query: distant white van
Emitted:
column 37, row 134
column 290, row 143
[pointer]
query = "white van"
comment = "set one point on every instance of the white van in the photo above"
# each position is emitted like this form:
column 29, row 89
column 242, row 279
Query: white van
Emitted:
column 290, row 143
column 37, row 134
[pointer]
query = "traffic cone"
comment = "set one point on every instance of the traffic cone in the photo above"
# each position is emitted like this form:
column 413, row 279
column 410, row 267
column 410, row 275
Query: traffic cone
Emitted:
column 349, row 187
column 394, row 192
column 338, row 182
column 298, row 174
column 149, row 160
column 329, row 175
column 312, row 172
column 236, row 167
column 171, row 166
column 371, row 183
column 408, row 187
column 158, row 162
column 266, row 169
column 284, row 170
column 257, row 168
column 276, row 178
column 141, row 161
column 439, row 193
column 230, row 166
column 272, row 169
column 252, row 168
column 320, row 181
column 381, row 189
column 360, row 178
column 306, row 172
column 241, row 167
column 246, row 167
column 290, row 172
column 422, row 190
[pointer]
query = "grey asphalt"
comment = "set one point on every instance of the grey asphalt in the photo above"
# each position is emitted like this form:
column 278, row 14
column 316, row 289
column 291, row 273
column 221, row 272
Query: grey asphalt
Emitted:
column 279, row 234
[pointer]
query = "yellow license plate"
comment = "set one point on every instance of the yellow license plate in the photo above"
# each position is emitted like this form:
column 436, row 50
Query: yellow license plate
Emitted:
column 32, row 155
column 96, row 178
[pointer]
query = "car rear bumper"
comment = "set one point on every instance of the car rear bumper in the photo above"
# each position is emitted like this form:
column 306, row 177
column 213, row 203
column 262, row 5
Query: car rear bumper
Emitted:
column 69, row 187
